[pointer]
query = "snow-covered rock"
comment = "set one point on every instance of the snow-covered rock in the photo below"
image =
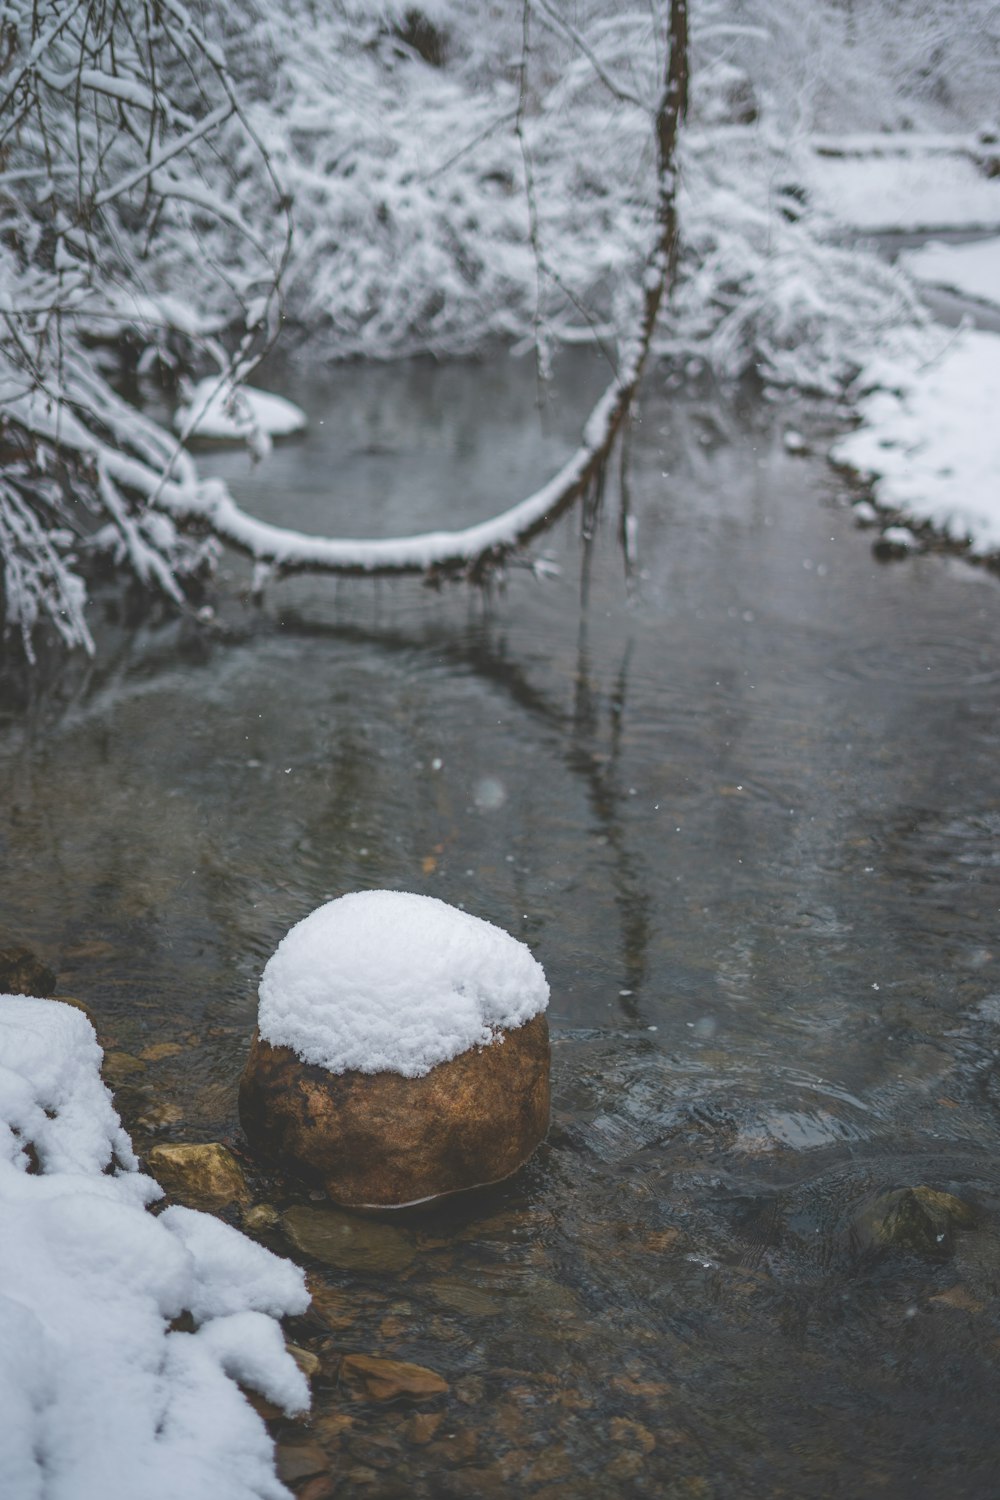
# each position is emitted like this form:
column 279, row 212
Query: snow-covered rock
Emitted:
column 101, row 1396
column 402, row 1051
column 387, row 981
column 218, row 411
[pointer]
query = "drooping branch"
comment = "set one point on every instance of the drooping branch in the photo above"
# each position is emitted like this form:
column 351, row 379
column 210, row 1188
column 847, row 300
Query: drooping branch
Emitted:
column 472, row 552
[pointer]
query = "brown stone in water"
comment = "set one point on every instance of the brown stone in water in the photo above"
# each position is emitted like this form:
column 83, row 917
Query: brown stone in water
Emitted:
column 389, row 1379
column 203, row 1176
column 22, row 972
column 379, row 1140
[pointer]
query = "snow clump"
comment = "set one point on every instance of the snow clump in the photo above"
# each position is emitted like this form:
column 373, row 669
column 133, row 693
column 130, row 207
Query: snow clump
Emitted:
column 232, row 414
column 102, row 1394
column 386, row 981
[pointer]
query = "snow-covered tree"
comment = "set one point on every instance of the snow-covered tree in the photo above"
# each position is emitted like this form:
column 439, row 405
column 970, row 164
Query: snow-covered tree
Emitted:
column 456, row 176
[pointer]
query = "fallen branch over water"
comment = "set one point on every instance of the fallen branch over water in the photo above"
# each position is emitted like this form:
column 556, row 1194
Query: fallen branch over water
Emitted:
column 471, row 552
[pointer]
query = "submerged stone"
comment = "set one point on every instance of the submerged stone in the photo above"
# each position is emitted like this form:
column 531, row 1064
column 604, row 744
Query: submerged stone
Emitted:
column 200, row 1175
column 22, row 972
column 389, row 1379
column 346, row 1242
column 915, row 1220
column 380, row 1140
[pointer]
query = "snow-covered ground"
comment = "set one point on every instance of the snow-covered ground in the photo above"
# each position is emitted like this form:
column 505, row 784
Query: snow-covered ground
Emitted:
column 972, row 270
column 929, row 440
column 924, row 191
column 102, row 1396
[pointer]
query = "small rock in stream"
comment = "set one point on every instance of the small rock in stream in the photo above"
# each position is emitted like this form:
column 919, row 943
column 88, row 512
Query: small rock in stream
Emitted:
column 350, row 1244
column 917, row 1221
column 206, row 1176
column 389, row 1379
column 22, row 972
column 895, row 542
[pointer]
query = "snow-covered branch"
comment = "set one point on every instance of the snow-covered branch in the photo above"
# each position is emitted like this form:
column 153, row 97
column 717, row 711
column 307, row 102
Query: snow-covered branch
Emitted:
column 475, row 550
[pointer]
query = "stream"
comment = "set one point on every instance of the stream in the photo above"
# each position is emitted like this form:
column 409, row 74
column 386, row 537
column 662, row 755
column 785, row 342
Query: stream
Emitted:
column 742, row 805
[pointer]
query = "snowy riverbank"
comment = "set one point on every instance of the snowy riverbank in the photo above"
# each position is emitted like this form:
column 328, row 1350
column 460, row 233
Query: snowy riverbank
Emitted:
column 104, row 1395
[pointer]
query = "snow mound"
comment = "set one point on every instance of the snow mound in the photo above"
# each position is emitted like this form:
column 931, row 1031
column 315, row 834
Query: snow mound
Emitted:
column 931, row 444
column 228, row 414
column 386, row 981
column 973, row 270
column 101, row 1397
column 906, row 193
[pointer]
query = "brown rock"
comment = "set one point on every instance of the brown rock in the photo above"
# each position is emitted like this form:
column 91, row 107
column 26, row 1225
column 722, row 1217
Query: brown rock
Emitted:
column 382, row 1140
column 157, row 1051
column 310, row 1364
column 22, row 972
column 300, row 1460
column 202, row 1176
column 423, row 1426
column 347, row 1242
column 387, row 1379
column 119, row 1067
column 259, row 1218
column 320, row 1487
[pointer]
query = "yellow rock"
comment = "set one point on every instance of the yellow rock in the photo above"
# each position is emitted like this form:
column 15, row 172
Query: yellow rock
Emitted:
column 119, row 1067
column 310, row 1364
column 159, row 1050
column 201, row 1176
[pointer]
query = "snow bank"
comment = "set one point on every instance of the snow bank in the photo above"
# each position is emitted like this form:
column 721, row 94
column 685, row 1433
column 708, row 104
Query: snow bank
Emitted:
column 385, row 981
column 973, row 270
column 930, row 443
column 100, row 1397
column 218, row 411
column 892, row 192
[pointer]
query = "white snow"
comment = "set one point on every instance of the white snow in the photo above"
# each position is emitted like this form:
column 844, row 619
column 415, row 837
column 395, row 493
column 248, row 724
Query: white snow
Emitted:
column 223, row 413
column 929, row 440
column 923, row 191
column 387, row 981
column 100, row 1397
column 973, row 270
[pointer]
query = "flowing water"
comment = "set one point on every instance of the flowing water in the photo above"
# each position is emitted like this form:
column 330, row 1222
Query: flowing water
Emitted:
column 743, row 807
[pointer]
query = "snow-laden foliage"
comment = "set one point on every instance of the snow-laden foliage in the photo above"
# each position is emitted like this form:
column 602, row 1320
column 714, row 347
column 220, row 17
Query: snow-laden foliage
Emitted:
column 119, row 130
column 456, row 175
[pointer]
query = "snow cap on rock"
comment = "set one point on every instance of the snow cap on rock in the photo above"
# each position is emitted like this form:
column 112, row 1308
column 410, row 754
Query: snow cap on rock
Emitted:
column 387, row 981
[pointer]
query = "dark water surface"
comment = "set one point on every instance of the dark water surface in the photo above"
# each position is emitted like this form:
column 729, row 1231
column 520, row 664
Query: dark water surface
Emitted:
column 745, row 812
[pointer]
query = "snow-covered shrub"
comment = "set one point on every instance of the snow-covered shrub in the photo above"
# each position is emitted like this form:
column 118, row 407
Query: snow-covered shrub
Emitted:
column 119, row 132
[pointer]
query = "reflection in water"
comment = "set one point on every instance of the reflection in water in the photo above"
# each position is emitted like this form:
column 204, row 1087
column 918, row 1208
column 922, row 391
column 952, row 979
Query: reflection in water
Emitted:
column 743, row 806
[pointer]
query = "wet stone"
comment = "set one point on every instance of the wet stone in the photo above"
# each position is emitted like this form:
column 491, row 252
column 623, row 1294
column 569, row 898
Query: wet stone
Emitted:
column 300, row 1460
column 119, row 1067
column 319, row 1487
column 384, row 1140
column 204, row 1176
column 260, row 1217
column 157, row 1051
column 310, row 1364
column 454, row 1448
column 390, row 1379
column 22, row 972
column 423, row 1426
column 916, row 1221
column 347, row 1242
